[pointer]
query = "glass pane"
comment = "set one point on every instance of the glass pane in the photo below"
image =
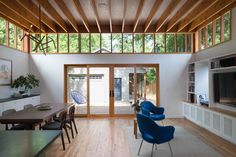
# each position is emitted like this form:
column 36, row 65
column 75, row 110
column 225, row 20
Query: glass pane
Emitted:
column 2, row 31
column 123, row 90
column 106, row 43
column 52, row 43
column 210, row 34
column 95, row 43
column 146, row 83
column 227, row 26
column 127, row 43
column 217, row 40
column 99, row 90
column 116, row 43
column 138, row 43
column 63, row 43
column 43, row 46
column 85, row 43
column 180, row 43
column 77, row 88
column 33, row 44
column 189, row 42
column 170, row 43
column 74, row 43
column 203, row 38
column 149, row 43
column 11, row 35
column 18, row 38
column 160, row 43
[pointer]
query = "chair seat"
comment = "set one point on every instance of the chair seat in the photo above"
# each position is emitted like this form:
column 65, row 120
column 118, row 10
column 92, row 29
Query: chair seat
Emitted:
column 21, row 127
column 157, row 117
column 52, row 126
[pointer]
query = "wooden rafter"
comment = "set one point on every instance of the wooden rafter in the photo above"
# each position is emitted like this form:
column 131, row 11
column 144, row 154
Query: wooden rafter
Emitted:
column 188, row 5
column 110, row 15
column 93, row 3
column 16, row 7
column 214, row 9
column 202, row 6
column 152, row 13
column 222, row 12
column 50, row 10
column 137, row 16
column 81, row 13
column 166, row 13
column 68, row 14
column 31, row 7
column 124, row 15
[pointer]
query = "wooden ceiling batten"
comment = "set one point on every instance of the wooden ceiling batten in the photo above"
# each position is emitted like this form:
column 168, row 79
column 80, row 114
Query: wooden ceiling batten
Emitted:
column 214, row 9
column 93, row 3
column 81, row 13
column 152, row 13
column 173, row 4
column 68, row 14
column 228, row 8
column 51, row 11
column 124, row 15
column 188, row 5
column 199, row 9
column 31, row 7
column 137, row 16
column 110, row 15
column 16, row 7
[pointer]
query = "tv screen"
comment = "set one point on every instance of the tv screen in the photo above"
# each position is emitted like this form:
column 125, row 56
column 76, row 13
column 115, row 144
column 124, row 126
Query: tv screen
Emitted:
column 225, row 88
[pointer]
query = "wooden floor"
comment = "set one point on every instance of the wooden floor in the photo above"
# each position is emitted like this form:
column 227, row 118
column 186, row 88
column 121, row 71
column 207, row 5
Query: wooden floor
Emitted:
column 105, row 137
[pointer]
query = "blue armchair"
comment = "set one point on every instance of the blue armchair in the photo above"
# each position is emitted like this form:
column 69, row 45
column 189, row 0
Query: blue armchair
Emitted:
column 153, row 133
column 152, row 111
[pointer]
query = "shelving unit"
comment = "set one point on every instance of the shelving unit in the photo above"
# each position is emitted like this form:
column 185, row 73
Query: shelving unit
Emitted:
column 191, row 83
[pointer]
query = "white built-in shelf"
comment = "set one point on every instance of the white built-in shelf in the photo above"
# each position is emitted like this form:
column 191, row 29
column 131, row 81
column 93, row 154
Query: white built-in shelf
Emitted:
column 223, row 68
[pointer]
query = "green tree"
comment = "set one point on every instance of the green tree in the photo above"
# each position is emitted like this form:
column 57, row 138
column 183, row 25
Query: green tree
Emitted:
column 2, row 31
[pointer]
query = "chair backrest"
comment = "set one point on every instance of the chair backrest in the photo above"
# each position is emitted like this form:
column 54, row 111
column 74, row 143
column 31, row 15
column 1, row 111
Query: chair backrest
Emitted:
column 147, row 105
column 28, row 106
column 72, row 112
column 6, row 112
column 62, row 118
column 78, row 97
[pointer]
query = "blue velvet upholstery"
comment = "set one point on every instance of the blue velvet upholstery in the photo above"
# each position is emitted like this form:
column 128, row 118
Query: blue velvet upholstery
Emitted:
column 152, row 111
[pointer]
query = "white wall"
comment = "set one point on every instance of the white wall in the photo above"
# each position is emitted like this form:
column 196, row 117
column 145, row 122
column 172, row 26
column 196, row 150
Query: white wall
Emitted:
column 50, row 70
column 19, row 63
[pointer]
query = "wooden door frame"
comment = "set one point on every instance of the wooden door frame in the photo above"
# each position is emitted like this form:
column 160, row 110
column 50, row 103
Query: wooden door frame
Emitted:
column 111, row 85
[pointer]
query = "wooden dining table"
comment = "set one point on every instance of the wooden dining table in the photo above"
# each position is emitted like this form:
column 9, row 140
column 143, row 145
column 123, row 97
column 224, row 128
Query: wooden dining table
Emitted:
column 33, row 115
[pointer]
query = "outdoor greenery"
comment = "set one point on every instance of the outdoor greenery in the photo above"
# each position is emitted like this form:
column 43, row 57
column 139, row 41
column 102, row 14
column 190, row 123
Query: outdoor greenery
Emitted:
column 151, row 75
column 217, row 40
column 227, row 26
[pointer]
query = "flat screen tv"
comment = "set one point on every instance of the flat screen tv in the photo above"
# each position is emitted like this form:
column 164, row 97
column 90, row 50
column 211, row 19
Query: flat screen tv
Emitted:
column 225, row 88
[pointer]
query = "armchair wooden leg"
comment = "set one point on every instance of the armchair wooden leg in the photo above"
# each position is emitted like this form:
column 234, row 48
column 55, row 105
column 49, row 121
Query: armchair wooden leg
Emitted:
column 170, row 149
column 75, row 126
column 62, row 140
column 152, row 150
column 140, row 147
column 156, row 146
column 67, row 134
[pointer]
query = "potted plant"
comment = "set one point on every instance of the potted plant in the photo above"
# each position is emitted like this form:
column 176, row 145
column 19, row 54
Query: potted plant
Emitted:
column 136, row 106
column 25, row 83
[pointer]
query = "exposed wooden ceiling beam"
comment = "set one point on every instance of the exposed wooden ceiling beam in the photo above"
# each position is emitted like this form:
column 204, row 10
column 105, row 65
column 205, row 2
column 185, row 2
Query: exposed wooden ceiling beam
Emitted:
column 137, row 16
column 110, row 15
column 81, row 13
column 202, row 6
column 50, row 10
column 93, row 3
column 13, row 17
column 152, row 13
column 188, row 5
column 124, row 15
column 68, row 14
column 20, row 11
column 222, row 12
column 164, row 16
column 31, row 7
column 214, row 9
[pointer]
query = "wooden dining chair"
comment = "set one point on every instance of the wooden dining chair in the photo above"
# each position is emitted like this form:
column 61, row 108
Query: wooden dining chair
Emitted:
column 28, row 106
column 70, row 118
column 58, row 125
column 14, row 126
